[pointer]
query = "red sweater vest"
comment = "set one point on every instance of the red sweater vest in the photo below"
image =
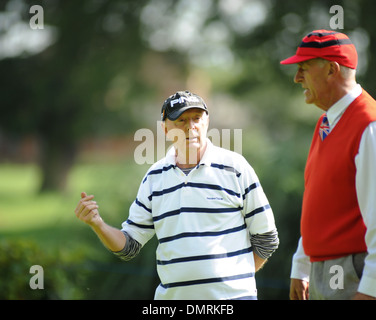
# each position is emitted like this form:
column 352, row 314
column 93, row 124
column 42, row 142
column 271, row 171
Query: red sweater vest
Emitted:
column 331, row 224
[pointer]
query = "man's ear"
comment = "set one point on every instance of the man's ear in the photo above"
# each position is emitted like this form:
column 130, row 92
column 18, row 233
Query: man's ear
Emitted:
column 334, row 68
column 163, row 125
column 207, row 119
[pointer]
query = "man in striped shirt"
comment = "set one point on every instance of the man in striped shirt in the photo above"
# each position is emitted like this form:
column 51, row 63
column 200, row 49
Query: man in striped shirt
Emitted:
column 206, row 206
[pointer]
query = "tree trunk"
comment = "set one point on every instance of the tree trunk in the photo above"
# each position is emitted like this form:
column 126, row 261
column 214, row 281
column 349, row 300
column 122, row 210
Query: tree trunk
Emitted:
column 56, row 159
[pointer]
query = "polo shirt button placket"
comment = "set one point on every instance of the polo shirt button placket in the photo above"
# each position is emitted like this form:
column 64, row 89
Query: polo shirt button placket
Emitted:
column 184, row 176
column 187, row 178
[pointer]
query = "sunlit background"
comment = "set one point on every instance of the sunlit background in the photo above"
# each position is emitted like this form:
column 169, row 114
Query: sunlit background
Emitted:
column 78, row 83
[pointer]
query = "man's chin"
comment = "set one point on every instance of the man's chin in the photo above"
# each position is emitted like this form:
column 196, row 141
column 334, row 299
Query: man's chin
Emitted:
column 193, row 143
column 309, row 100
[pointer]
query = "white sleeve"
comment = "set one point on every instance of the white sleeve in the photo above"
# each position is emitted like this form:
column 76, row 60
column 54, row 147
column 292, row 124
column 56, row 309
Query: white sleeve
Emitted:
column 259, row 216
column 301, row 265
column 140, row 225
column 366, row 187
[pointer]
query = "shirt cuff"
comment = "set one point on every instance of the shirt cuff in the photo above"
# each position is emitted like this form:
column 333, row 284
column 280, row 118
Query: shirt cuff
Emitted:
column 367, row 286
column 300, row 271
column 301, row 265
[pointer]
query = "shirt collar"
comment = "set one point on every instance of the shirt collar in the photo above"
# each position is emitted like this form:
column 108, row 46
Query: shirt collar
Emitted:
column 337, row 109
column 170, row 156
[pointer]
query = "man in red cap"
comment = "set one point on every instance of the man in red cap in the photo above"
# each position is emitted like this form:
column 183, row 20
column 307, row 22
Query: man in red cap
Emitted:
column 336, row 255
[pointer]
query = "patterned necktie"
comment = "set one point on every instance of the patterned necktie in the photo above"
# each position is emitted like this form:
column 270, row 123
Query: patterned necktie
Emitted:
column 324, row 128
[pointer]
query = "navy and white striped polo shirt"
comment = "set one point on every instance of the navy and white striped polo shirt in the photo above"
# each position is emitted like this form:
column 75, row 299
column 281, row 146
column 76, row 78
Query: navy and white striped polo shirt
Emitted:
column 203, row 223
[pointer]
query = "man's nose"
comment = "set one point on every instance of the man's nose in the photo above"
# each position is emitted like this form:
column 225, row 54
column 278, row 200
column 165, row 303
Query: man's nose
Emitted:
column 298, row 77
column 191, row 124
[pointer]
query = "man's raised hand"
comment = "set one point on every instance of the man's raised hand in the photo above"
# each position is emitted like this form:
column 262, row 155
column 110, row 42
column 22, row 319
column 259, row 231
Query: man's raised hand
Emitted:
column 87, row 210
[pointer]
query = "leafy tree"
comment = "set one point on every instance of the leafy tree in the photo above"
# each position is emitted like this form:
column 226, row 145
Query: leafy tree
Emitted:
column 59, row 95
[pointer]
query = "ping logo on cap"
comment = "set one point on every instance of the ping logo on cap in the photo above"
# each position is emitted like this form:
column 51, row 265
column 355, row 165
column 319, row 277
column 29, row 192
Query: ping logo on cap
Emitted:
column 183, row 100
column 179, row 102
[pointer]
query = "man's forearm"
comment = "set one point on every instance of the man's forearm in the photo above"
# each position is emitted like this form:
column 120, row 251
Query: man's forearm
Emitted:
column 259, row 262
column 111, row 237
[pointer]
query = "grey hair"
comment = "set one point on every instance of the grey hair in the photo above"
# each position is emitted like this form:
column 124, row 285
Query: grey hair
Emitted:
column 346, row 72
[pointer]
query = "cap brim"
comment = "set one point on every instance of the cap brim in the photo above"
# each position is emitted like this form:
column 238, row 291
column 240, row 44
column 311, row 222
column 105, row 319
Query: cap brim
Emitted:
column 176, row 114
column 297, row 59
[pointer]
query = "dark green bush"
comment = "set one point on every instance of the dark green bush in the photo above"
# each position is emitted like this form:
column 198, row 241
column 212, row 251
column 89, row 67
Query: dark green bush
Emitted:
column 60, row 279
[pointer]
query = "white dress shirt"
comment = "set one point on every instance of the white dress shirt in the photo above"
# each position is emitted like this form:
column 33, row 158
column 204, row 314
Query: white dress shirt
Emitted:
column 365, row 162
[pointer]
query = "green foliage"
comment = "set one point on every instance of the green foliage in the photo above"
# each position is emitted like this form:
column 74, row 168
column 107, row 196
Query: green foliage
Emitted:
column 60, row 280
column 42, row 229
column 113, row 61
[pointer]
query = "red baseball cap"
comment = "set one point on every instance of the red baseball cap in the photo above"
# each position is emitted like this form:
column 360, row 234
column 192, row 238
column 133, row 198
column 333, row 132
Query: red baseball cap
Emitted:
column 328, row 45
